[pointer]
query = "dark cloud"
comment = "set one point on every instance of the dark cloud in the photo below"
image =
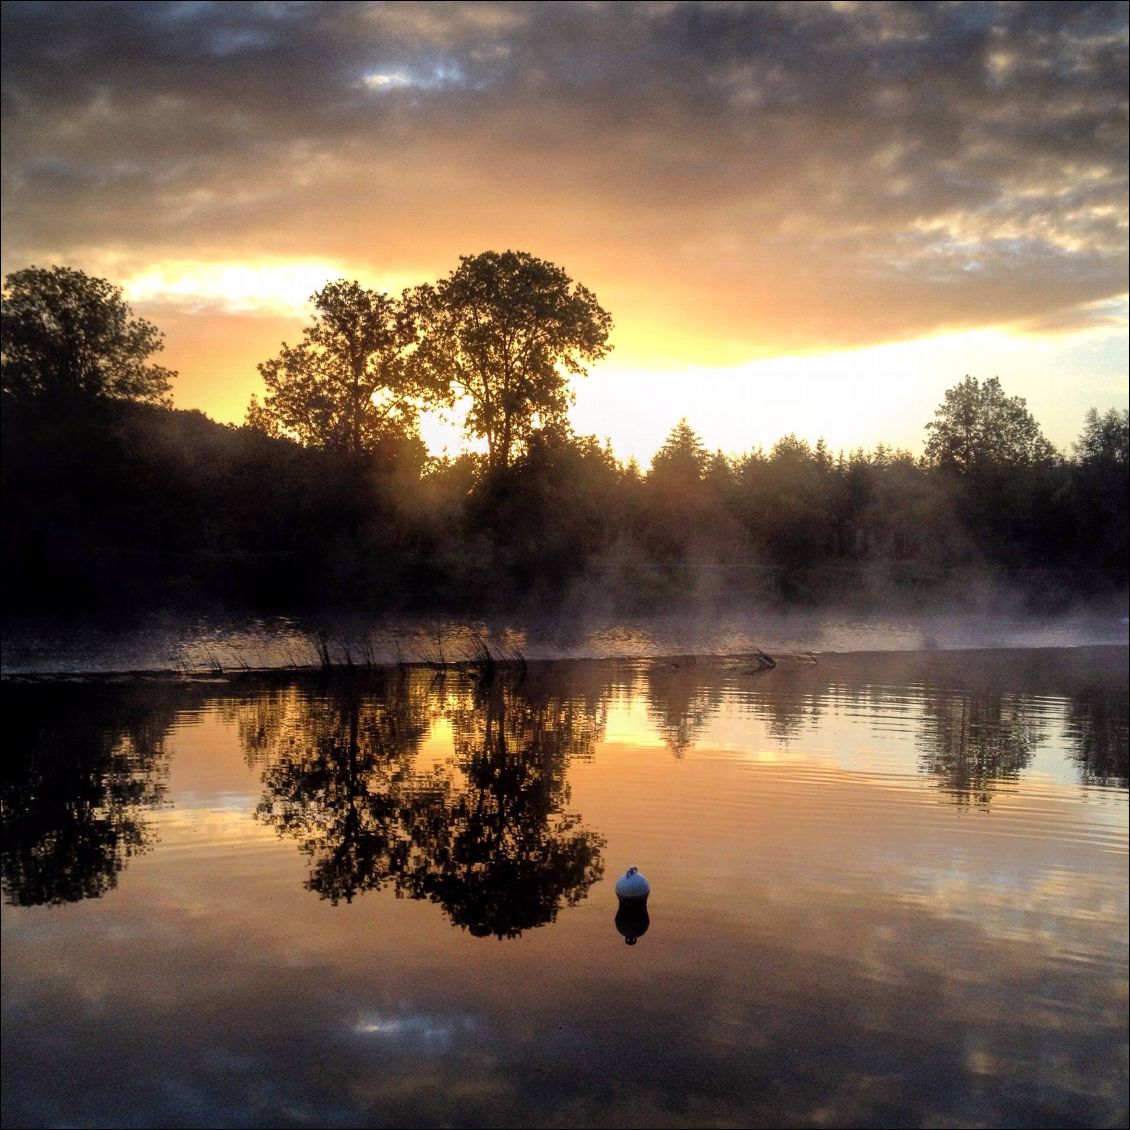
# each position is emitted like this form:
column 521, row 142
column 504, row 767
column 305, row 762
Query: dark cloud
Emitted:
column 774, row 175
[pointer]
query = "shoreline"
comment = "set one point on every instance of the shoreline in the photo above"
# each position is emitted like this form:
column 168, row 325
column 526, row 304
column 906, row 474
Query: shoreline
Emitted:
column 740, row 663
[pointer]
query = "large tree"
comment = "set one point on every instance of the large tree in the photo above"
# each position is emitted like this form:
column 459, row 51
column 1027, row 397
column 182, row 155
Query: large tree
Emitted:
column 978, row 427
column 67, row 335
column 345, row 386
column 503, row 332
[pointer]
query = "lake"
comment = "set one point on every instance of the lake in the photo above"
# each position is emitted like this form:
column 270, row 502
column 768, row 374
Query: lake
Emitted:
column 887, row 889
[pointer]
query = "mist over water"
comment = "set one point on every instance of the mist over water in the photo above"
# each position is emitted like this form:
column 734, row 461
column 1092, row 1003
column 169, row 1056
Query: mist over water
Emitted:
column 211, row 644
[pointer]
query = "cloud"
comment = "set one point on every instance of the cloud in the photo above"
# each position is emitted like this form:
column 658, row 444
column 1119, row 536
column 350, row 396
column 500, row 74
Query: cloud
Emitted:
column 261, row 287
column 730, row 179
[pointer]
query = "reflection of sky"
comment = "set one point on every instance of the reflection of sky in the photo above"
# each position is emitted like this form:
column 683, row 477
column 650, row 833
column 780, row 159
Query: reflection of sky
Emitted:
column 418, row 1032
column 835, row 729
column 831, row 941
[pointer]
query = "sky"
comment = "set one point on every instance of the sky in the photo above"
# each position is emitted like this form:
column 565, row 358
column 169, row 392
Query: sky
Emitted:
column 803, row 217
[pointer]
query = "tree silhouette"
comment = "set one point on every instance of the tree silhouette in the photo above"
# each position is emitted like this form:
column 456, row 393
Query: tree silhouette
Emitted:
column 502, row 331
column 65, row 335
column 795, row 490
column 550, row 512
column 1100, row 504
column 682, row 455
column 346, row 386
column 1105, row 440
column 978, row 426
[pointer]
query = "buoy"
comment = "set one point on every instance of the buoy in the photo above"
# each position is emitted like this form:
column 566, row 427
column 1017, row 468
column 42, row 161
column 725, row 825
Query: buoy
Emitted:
column 632, row 888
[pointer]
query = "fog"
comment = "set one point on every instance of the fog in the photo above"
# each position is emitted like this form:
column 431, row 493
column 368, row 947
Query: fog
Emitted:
column 220, row 644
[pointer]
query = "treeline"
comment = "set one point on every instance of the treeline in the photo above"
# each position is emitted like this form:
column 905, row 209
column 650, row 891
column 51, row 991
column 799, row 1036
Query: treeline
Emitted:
column 327, row 495
column 130, row 503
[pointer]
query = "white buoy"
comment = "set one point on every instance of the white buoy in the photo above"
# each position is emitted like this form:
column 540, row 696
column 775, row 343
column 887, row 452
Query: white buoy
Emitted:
column 632, row 887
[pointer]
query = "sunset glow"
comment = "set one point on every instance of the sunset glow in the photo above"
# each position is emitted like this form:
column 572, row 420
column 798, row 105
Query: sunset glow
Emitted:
column 460, row 458
column 808, row 220
column 282, row 289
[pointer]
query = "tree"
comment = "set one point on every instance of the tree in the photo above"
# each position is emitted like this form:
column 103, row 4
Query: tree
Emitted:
column 502, row 332
column 1100, row 502
column 682, row 454
column 346, row 385
column 1105, row 440
column 68, row 335
column 977, row 427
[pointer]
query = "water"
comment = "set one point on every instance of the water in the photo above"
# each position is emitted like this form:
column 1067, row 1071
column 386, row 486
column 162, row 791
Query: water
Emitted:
column 887, row 890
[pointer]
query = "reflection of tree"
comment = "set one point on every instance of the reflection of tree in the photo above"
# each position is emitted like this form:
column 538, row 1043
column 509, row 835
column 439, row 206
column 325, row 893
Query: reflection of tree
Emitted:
column 1097, row 726
column 337, row 768
column 497, row 851
column 971, row 740
column 483, row 834
column 785, row 714
column 680, row 702
column 81, row 766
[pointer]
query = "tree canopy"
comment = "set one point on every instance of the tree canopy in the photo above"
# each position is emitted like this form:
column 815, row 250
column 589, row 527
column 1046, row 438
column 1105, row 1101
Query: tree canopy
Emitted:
column 979, row 426
column 66, row 334
column 502, row 332
column 682, row 454
column 346, row 385
column 1105, row 439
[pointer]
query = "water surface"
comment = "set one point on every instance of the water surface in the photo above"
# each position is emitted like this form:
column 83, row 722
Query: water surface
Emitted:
column 888, row 890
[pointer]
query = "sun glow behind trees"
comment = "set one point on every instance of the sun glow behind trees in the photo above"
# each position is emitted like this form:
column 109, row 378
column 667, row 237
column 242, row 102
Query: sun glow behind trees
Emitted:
column 769, row 234
column 222, row 319
column 173, row 495
column 280, row 287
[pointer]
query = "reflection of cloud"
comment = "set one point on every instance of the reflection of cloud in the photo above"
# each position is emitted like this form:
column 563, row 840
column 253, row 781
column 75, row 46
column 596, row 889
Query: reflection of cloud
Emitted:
column 630, row 724
column 437, row 76
column 878, row 959
column 385, row 82
column 423, row 1029
column 223, row 821
column 1044, row 907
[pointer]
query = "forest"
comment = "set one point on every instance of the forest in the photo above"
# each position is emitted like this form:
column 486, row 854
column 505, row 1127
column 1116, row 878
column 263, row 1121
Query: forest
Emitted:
column 327, row 496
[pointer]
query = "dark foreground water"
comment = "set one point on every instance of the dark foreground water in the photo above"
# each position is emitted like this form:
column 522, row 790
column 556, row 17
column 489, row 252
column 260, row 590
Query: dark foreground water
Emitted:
column 887, row 890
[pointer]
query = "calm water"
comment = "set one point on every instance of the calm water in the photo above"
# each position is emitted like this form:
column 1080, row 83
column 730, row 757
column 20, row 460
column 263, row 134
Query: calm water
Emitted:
column 887, row 890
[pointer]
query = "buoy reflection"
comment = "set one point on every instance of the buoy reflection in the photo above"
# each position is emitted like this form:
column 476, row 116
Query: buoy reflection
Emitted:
column 632, row 921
